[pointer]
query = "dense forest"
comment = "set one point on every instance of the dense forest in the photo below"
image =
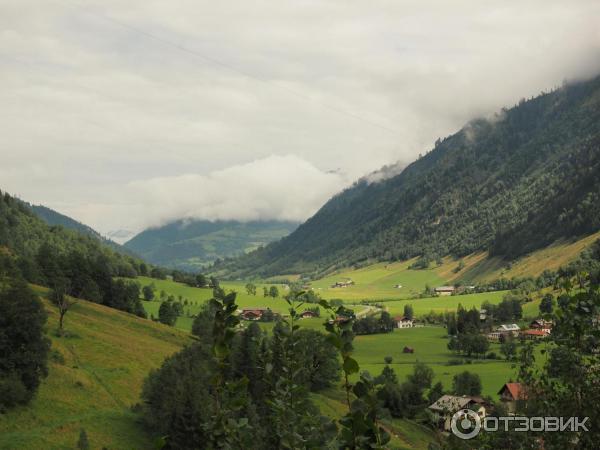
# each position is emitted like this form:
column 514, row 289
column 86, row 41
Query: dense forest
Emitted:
column 77, row 264
column 193, row 244
column 510, row 185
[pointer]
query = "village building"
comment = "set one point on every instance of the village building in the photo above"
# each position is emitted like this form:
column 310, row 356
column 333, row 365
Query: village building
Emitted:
column 403, row 322
column 535, row 334
column 447, row 405
column 541, row 324
column 512, row 394
column 445, row 290
column 342, row 284
column 308, row 314
column 252, row 313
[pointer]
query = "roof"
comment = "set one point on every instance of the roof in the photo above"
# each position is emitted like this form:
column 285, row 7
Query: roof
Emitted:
column 445, row 288
column 245, row 310
column 401, row 319
column 451, row 403
column 535, row 332
column 515, row 390
column 510, row 327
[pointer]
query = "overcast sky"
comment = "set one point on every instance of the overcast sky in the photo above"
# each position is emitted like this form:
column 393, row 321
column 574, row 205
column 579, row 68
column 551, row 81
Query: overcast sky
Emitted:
column 128, row 114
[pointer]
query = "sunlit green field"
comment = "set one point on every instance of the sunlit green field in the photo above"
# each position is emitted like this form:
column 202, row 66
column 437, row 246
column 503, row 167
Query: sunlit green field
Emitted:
column 378, row 281
column 442, row 304
column 430, row 346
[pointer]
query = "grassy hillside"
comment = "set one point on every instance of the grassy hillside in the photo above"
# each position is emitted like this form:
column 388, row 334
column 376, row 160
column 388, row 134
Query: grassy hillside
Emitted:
column 511, row 185
column 95, row 377
column 192, row 244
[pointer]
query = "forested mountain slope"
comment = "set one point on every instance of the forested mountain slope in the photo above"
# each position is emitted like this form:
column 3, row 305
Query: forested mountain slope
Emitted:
column 192, row 244
column 508, row 185
column 52, row 217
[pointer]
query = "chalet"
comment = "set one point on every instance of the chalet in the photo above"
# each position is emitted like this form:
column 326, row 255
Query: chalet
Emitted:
column 403, row 322
column 512, row 328
column 252, row 313
column 408, row 350
column 535, row 334
column 541, row 324
column 342, row 284
column 445, row 290
column 511, row 394
column 447, row 405
column 308, row 314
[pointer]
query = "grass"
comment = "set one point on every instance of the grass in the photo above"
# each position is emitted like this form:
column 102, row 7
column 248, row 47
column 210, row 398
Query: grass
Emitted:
column 378, row 281
column 430, row 347
column 422, row 306
column 95, row 377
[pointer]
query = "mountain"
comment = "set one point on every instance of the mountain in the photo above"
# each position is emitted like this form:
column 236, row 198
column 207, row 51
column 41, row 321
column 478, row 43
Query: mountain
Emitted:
column 54, row 218
column 193, row 244
column 507, row 185
column 120, row 236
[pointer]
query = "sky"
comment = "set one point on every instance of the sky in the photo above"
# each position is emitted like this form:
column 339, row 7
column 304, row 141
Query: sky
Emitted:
column 128, row 115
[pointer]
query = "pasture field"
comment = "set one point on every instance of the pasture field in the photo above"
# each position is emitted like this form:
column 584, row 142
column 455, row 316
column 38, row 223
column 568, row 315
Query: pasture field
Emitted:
column 422, row 306
column 430, row 347
column 378, row 281
column 95, row 377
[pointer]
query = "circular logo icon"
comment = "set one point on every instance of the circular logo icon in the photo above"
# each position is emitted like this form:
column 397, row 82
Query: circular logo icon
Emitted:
column 469, row 421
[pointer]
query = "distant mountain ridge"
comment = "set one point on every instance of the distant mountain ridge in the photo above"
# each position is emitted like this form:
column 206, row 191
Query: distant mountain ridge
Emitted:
column 193, row 244
column 509, row 185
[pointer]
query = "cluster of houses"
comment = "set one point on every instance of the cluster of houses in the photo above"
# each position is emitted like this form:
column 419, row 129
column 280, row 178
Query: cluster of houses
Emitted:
column 451, row 290
column 511, row 394
column 538, row 329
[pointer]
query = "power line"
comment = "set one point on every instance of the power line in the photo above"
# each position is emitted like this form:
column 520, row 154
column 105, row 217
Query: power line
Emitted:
column 241, row 72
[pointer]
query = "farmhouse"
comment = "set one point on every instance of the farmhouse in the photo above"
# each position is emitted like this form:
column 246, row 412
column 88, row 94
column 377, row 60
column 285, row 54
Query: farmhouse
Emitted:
column 408, row 350
column 541, row 324
column 535, row 334
column 308, row 314
column 253, row 313
column 342, row 284
column 445, row 290
column 511, row 394
column 445, row 407
column 403, row 322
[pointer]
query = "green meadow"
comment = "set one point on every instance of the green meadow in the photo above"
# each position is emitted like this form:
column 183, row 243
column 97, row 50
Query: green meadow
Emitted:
column 422, row 306
column 95, row 377
column 378, row 281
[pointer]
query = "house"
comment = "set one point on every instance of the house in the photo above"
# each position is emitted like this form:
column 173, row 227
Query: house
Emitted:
column 408, row 350
column 308, row 314
column 253, row 313
column 447, row 405
column 541, row 324
column 342, row 284
column 482, row 315
column 512, row 394
column 398, row 286
column 403, row 322
column 444, row 290
column 535, row 334
column 509, row 329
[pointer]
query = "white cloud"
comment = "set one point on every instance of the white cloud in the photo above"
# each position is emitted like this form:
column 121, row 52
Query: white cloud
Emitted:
column 99, row 102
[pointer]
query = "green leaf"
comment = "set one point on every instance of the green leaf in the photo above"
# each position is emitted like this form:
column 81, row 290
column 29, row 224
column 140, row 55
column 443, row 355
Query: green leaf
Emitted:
column 350, row 366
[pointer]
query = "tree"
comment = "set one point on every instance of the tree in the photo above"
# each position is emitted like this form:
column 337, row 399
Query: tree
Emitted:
column 23, row 345
column 508, row 348
column 167, row 314
column 466, row 383
column 148, row 292
column 58, row 296
column 273, row 292
column 547, row 304
column 83, row 443
column 251, row 289
column 408, row 312
column 265, row 291
column 201, row 280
